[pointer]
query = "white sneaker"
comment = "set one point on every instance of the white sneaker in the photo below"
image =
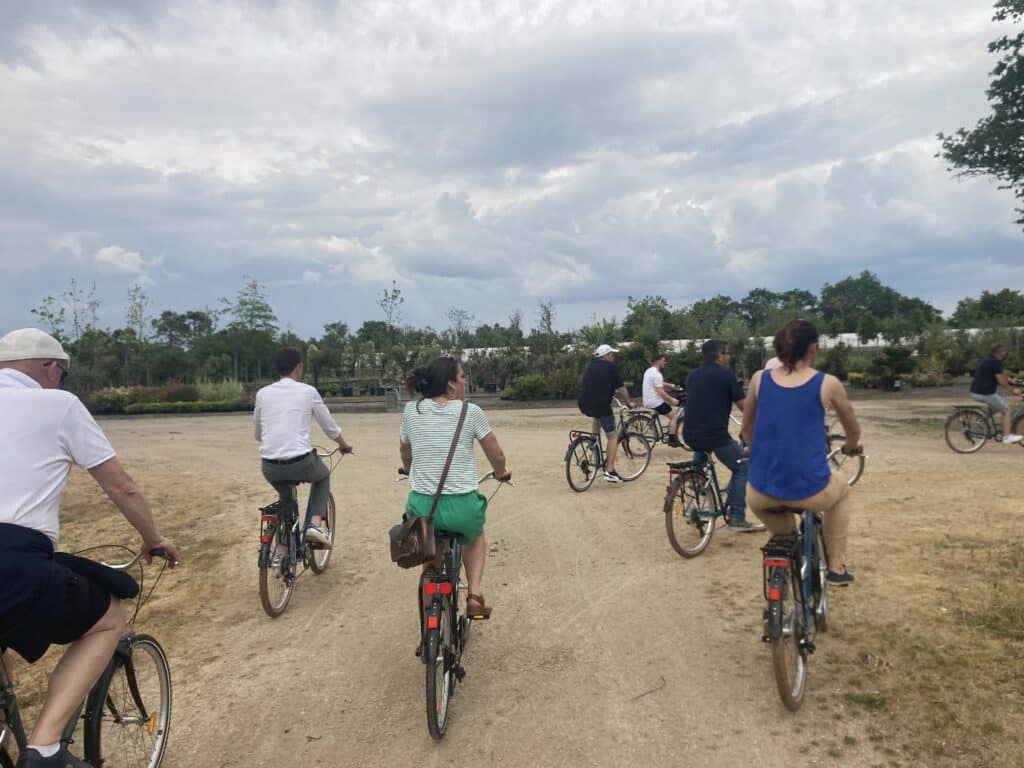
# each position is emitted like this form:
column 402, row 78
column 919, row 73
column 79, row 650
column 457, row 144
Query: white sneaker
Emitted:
column 1011, row 438
column 317, row 534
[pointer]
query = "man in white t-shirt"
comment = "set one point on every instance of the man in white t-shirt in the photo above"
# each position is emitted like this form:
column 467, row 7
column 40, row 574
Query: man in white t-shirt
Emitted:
column 655, row 396
column 44, row 599
column 283, row 415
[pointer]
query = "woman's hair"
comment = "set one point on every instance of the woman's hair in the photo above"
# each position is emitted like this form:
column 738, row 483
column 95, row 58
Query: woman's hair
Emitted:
column 793, row 341
column 432, row 379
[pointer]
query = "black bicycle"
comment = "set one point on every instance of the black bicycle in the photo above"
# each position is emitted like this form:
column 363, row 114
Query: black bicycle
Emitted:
column 585, row 458
column 969, row 427
column 445, row 623
column 649, row 424
column 795, row 569
column 694, row 501
column 127, row 714
column 283, row 546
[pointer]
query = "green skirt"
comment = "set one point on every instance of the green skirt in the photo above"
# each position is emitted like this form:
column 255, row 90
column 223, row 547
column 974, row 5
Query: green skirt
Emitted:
column 463, row 513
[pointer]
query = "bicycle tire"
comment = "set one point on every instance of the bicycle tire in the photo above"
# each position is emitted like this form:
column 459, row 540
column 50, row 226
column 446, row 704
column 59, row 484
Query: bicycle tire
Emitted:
column 789, row 661
column 632, row 456
column 822, row 621
column 646, row 425
column 439, row 675
column 1017, row 426
column 582, row 463
column 276, row 583
column 321, row 557
column 690, row 513
column 850, row 468
column 117, row 735
column 966, row 430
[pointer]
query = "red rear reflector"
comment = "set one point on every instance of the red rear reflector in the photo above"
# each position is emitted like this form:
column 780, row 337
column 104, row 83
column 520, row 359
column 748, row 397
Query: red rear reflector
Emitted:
column 269, row 518
column 430, row 588
column 774, row 594
column 777, row 563
column 431, row 622
column 446, row 587
column 265, row 538
column 668, row 489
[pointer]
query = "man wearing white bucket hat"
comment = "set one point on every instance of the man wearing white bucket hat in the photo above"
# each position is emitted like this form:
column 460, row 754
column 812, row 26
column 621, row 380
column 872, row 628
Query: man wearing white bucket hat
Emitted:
column 601, row 382
column 43, row 599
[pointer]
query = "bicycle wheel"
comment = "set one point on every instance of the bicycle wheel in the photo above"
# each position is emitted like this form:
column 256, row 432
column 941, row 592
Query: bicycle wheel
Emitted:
column 5, row 759
column 582, row 463
column 645, row 425
column 128, row 713
column 690, row 512
column 849, row 468
column 275, row 578
column 679, row 436
column 1017, row 426
column 322, row 556
column 632, row 455
column 966, row 430
column 821, row 617
column 440, row 679
column 789, row 661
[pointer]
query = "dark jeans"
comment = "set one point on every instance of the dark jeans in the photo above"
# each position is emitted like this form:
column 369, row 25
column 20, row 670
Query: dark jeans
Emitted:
column 730, row 454
column 307, row 470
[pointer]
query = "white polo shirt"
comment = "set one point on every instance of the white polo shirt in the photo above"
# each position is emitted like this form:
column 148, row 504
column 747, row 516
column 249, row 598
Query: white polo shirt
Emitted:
column 284, row 411
column 42, row 433
column 652, row 379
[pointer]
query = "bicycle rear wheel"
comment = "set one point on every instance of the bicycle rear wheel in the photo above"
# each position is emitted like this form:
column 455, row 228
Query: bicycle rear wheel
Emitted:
column 128, row 713
column 632, row 455
column 321, row 556
column 645, row 425
column 690, row 512
column 275, row 577
column 789, row 660
column 966, row 430
column 440, row 673
column 582, row 463
column 848, row 468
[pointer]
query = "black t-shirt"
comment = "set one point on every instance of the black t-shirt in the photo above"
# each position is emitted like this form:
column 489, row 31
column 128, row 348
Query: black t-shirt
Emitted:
column 600, row 381
column 711, row 391
column 985, row 376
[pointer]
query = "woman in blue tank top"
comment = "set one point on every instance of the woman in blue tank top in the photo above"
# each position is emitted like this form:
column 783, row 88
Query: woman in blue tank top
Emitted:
column 784, row 425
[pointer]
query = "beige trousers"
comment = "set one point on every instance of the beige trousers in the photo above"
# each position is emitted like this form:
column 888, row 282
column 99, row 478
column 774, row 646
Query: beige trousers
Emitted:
column 833, row 503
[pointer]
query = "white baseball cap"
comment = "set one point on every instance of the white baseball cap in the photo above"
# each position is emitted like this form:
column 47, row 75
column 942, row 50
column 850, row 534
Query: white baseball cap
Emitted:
column 603, row 350
column 31, row 344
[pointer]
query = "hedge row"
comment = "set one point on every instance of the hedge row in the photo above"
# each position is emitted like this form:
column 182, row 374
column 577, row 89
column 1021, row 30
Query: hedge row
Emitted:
column 195, row 406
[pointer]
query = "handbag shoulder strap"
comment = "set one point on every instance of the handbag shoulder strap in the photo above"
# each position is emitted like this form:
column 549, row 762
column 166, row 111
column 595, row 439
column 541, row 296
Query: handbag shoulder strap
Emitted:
column 448, row 461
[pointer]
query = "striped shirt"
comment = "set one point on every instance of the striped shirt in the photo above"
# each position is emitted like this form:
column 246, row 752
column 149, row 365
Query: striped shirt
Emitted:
column 429, row 431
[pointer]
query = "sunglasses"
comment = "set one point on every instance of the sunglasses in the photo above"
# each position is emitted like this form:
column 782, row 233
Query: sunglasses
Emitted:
column 63, row 369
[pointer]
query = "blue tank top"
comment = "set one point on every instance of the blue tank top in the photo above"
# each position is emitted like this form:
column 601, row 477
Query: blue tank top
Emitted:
column 787, row 453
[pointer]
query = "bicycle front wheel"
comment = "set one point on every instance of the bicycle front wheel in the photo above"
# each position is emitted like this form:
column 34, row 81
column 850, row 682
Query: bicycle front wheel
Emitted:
column 645, row 425
column 690, row 512
column 966, row 431
column 848, row 468
column 321, row 556
column 582, row 463
column 789, row 660
column 128, row 714
column 632, row 455
column 440, row 679
column 275, row 577
column 1017, row 426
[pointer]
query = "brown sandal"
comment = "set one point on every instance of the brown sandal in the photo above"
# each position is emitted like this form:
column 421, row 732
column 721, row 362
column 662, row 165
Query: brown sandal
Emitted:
column 482, row 611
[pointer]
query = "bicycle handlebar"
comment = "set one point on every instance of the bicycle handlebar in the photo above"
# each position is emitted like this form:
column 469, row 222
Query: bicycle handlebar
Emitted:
column 507, row 479
column 156, row 552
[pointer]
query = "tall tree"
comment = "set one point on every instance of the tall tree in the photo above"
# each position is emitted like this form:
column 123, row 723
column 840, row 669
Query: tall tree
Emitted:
column 995, row 146
column 459, row 321
column 391, row 305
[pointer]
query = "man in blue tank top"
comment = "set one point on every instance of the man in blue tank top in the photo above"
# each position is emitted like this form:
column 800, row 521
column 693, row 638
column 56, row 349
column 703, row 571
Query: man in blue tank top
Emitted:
column 712, row 390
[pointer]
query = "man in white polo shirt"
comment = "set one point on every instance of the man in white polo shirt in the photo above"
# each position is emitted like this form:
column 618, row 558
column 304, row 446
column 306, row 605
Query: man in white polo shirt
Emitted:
column 42, row 601
column 656, row 398
column 283, row 415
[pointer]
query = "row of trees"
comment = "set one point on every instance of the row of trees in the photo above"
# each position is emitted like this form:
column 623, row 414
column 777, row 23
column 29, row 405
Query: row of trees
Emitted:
column 237, row 341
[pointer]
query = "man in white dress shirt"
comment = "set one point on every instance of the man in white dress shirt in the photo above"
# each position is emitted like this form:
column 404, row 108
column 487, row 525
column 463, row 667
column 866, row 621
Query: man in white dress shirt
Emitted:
column 283, row 415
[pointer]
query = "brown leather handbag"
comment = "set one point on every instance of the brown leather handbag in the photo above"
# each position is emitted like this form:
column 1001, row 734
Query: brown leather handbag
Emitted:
column 412, row 540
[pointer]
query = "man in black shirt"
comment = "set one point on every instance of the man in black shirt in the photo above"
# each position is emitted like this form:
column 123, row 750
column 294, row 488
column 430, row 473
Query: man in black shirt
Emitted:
column 987, row 377
column 602, row 381
column 711, row 391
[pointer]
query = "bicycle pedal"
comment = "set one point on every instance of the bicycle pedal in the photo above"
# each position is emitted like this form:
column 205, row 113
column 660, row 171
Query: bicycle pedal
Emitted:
column 807, row 645
column 478, row 616
column 460, row 672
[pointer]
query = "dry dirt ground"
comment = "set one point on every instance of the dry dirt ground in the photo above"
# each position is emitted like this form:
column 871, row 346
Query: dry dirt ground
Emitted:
column 606, row 648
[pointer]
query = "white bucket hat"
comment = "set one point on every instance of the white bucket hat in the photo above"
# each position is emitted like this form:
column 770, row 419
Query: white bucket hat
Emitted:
column 31, row 344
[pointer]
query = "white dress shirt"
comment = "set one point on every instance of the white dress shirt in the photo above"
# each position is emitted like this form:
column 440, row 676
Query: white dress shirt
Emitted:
column 282, row 416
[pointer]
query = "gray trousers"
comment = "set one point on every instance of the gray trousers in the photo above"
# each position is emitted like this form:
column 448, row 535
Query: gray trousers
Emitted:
column 307, row 470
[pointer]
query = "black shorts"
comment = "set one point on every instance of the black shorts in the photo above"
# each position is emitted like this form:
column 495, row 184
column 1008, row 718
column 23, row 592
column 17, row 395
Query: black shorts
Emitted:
column 664, row 409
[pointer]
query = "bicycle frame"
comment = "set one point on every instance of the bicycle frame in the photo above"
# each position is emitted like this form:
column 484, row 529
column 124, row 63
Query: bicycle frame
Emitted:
column 796, row 561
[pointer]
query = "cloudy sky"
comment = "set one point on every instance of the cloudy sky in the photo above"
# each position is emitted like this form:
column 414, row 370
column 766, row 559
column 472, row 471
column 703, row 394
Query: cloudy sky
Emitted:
column 490, row 155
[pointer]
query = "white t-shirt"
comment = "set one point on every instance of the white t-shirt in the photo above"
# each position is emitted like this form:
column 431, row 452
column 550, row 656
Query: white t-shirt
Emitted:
column 430, row 431
column 652, row 379
column 43, row 432
column 283, row 413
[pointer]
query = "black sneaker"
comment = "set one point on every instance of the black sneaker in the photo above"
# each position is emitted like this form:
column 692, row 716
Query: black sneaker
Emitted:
column 30, row 758
column 843, row 579
column 612, row 476
column 745, row 526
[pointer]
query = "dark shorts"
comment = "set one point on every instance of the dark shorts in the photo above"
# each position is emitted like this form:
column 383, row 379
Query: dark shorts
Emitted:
column 664, row 409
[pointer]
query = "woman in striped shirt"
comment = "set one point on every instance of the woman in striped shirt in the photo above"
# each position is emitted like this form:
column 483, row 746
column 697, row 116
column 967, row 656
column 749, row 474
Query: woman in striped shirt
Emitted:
column 428, row 427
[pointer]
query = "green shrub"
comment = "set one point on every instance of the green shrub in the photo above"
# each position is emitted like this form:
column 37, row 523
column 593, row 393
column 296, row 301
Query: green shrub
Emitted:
column 229, row 389
column 532, row 386
column 563, row 385
column 857, row 378
column 181, row 393
column 195, row 406
column 110, row 400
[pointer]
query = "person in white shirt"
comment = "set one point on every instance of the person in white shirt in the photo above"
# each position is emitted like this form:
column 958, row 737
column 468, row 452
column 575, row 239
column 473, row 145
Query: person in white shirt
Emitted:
column 44, row 596
column 655, row 396
column 283, row 415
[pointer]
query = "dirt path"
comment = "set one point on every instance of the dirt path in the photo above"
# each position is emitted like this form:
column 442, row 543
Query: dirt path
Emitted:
column 606, row 648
